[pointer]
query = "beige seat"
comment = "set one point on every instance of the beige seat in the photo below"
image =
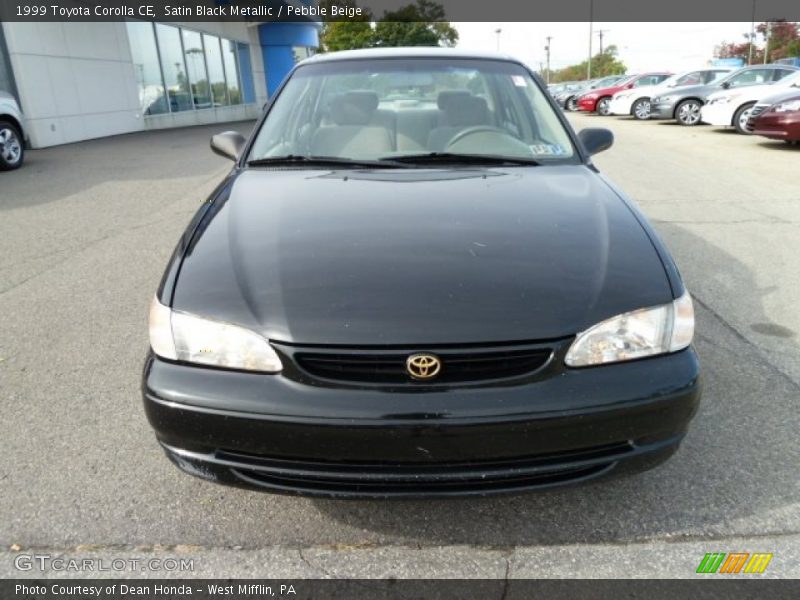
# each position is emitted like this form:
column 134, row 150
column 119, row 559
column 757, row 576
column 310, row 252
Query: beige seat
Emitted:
column 359, row 130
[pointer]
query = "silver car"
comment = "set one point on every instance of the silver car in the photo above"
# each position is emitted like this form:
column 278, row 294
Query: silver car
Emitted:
column 12, row 133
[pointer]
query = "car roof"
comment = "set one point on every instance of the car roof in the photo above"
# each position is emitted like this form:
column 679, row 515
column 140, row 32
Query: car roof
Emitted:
column 410, row 52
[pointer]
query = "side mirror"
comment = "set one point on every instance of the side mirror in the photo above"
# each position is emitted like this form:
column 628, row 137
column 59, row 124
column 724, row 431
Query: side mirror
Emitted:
column 726, row 84
column 596, row 139
column 228, row 144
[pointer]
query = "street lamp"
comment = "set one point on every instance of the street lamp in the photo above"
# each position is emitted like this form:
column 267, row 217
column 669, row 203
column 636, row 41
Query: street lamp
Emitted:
column 498, row 31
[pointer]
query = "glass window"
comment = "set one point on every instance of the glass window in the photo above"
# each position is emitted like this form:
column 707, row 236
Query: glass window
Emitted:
column 231, row 71
column 144, row 52
column 751, row 77
column 386, row 108
column 196, row 65
column 216, row 72
column 713, row 76
column 173, row 68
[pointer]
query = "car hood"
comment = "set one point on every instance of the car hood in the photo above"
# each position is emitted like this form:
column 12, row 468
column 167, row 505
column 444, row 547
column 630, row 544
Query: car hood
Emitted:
column 777, row 96
column 689, row 91
column 645, row 90
column 411, row 257
column 746, row 93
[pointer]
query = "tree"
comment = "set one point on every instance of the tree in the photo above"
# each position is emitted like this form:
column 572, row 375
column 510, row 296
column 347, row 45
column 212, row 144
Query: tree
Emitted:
column 603, row 64
column 347, row 33
column 420, row 24
column 784, row 41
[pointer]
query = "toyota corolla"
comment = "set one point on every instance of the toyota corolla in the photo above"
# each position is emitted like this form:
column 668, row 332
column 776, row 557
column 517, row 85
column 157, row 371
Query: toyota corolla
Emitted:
column 415, row 282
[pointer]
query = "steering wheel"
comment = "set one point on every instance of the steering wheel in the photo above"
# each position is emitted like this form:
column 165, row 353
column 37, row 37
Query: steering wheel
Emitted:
column 477, row 129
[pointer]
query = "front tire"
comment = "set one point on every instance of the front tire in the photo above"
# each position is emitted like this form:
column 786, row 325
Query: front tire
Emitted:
column 572, row 104
column 688, row 112
column 603, row 106
column 641, row 109
column 741, row 116
column 12, row 150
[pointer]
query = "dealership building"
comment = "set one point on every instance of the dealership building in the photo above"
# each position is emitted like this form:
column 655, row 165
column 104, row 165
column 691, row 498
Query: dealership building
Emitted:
column 80, row 80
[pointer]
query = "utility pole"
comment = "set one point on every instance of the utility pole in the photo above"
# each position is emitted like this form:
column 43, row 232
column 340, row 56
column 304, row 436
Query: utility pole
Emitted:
column 547, row 50
column 600, row 33
column 591, row 35
column 752, row 35
column 498, row 31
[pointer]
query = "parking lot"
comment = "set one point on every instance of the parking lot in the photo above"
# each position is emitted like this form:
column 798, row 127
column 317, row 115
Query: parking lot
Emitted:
column 85, row 232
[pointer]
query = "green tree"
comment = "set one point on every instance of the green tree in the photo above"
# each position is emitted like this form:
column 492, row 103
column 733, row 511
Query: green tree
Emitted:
column 346, row 33
column 603, row 64
column 420, row 24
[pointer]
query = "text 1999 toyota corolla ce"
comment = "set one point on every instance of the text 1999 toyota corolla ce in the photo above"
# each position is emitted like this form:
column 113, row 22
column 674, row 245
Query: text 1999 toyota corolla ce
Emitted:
column 414, row 282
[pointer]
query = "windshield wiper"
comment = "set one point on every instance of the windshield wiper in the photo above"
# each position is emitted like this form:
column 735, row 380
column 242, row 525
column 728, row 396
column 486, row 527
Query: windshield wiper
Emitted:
column 463, row 159
column 323, row 161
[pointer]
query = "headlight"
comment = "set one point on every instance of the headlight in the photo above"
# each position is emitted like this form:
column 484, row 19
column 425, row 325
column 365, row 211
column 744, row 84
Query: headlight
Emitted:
column 621, row 95
column 181, row 336
column 663, row 99
column 637, row 334
column 589, row 96
column 790, row 106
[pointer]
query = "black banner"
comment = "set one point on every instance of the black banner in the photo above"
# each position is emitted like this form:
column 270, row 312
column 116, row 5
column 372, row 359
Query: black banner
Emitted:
column 455, row 10
column 379, row 589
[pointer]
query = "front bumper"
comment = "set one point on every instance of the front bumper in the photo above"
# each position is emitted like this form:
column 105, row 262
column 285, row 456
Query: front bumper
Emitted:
column 775, row 126
column 662, row 110
column 270, row 433
column 719, row 115
column 587, row 105
column 621, row 106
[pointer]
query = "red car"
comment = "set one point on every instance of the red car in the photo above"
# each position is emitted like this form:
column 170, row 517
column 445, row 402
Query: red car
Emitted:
column 598, row 100
column 777, row 117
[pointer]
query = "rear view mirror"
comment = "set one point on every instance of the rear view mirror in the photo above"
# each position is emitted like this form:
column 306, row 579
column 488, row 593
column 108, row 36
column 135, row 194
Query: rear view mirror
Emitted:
column 228, row 144
column 596, row 139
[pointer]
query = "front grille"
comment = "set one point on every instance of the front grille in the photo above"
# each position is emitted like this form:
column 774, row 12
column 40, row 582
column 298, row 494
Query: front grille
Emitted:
column 389, row 367
column 425, row 478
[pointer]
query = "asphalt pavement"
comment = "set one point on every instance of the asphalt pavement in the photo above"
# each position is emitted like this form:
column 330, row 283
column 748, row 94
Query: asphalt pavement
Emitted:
column 85, row 232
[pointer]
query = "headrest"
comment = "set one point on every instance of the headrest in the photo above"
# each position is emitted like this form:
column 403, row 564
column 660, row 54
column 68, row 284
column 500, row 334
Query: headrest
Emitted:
column 462, row 108
column 354, row 108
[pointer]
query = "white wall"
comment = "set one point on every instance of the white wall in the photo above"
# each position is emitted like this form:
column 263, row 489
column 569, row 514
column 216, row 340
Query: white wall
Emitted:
column 76, row 81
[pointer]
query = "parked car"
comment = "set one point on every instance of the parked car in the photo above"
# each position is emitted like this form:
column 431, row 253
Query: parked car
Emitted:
column 568, row 100
column 599, row 100
column 12, row 133
column 731, row 107
column 684, row 104
column 636, row 101
column 777, row 117
column 430, row 296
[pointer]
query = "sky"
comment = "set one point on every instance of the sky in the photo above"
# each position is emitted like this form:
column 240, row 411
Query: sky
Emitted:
column 642, row 46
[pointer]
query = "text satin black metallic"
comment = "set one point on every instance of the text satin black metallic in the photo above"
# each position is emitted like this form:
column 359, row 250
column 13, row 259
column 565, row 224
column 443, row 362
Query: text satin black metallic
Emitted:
column 414, row 282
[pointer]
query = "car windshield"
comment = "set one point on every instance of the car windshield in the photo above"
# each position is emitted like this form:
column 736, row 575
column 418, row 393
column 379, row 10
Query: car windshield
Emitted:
column 391, row 109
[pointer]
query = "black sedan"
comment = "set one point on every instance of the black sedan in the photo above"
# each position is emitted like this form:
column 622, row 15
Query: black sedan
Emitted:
column 414, row 282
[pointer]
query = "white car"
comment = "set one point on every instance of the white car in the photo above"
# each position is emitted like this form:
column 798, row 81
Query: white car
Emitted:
column 636, row 101
column 12, row 133
column 732, row 106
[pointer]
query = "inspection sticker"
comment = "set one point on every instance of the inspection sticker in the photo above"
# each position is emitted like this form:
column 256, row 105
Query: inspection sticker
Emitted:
column 519, row 80
column 548, row 149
